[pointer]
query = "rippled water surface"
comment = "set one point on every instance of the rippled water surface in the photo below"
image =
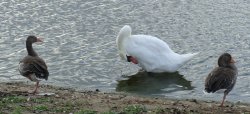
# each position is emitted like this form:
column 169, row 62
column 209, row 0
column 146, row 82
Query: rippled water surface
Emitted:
column 80, row 48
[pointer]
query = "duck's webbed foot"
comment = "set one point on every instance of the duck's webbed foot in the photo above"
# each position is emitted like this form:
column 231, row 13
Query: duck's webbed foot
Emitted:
column 35, row 91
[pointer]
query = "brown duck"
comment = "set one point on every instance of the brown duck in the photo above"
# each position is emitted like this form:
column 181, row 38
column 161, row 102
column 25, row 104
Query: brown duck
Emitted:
column 222, row 77
column 32, row 66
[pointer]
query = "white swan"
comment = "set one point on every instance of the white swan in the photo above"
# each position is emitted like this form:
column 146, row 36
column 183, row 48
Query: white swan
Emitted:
column 151, row 53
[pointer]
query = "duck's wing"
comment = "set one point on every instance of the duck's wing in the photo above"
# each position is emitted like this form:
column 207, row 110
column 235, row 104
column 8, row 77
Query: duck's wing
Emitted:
column 220, row 78
column 34, row 65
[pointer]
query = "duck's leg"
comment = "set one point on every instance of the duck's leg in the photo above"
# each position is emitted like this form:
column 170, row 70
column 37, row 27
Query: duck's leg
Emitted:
column 224, row 97
column 36, row 88
column 32, row 77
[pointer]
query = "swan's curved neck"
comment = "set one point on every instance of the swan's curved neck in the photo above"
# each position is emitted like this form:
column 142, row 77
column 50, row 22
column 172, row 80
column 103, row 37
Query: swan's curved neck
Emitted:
column 124, row 33
column 30, row 49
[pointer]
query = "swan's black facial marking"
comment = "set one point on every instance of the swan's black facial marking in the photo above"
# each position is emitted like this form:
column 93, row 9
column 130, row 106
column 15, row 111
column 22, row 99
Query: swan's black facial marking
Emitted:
column 132, row 59
column 129, row 58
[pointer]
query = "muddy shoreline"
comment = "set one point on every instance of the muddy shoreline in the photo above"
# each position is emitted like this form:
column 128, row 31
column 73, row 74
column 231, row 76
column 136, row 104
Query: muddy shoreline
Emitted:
column 14, row 98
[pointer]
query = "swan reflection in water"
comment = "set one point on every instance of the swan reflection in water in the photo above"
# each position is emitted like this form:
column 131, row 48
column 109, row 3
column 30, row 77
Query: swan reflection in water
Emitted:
column 154, row 83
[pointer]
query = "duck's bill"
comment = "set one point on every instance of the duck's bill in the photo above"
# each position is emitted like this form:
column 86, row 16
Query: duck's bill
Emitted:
column 39, row 41
column 232, row 61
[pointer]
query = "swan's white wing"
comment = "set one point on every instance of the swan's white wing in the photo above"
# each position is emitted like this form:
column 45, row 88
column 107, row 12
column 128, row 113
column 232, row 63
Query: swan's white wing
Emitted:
column 148, row 50
column 146, row 44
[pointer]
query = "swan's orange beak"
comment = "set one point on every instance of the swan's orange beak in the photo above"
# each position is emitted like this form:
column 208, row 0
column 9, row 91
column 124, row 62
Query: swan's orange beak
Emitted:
column 133, row 60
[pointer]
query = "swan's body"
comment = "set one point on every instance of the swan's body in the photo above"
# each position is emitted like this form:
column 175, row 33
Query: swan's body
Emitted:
column 152, row 54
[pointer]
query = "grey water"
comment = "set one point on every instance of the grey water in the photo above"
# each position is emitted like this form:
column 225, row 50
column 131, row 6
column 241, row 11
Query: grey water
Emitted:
column 80, row 51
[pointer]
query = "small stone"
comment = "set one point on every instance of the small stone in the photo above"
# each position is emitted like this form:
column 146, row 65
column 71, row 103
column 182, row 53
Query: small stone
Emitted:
column 57, row 96
column 238, row 102
column 194, row 100
column 28, row 99
column 209, row 105
column 232, row 105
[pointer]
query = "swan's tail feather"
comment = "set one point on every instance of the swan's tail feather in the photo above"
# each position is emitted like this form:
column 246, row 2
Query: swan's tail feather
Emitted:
column 189, row 56
column 124, row 33
column 194, row 54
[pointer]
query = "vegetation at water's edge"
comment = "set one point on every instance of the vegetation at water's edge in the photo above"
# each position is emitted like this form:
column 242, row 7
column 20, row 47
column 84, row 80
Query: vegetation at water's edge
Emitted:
column 14, row 99
column 24, row 104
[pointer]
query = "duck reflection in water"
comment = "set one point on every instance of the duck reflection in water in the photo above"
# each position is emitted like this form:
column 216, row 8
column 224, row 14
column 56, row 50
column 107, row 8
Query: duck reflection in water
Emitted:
column 154, row 83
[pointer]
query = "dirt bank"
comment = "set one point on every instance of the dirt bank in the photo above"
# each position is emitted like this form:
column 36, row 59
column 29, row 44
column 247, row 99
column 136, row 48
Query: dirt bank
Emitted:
column 15, row 99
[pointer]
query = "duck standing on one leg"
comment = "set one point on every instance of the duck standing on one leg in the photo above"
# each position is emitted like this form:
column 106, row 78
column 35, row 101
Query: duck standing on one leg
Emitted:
column 32, row 66
column 151, row 53
column 222, row 77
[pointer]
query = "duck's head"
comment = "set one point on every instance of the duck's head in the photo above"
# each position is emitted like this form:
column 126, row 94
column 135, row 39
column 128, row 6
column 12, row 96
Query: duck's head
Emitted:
column 33, row 39
column 225, row 60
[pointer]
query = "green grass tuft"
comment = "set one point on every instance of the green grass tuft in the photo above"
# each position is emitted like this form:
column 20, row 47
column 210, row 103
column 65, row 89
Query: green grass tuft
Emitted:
column 159, row 110
column 40, row 108
column 42, row 100
column 134, row 109
column 86, row 112
column 17, row 110
column 63, row 109
column 13, row 99
column 110, row 112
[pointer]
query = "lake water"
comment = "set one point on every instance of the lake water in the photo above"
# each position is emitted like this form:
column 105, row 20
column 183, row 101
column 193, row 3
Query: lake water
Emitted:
column 81, row 53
